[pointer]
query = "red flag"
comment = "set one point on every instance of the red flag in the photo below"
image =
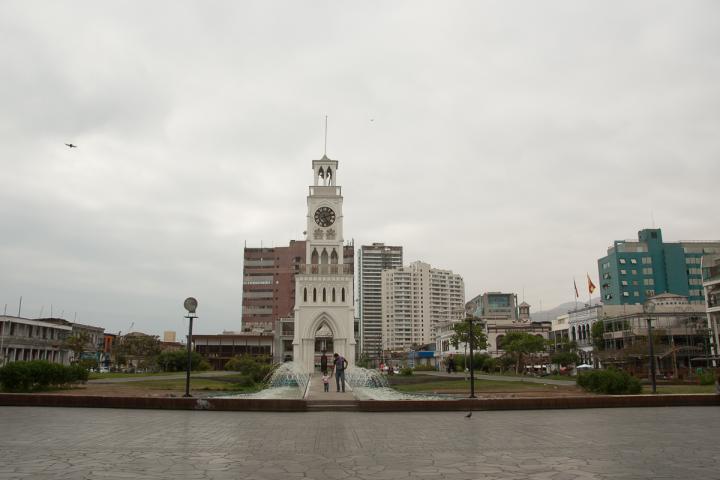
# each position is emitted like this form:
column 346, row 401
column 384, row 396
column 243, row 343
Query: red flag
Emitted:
column 576, row 290
column 591, row 286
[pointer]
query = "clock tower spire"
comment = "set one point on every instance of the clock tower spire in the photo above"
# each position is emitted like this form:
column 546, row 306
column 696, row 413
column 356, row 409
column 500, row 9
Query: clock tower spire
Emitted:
column 324, row 308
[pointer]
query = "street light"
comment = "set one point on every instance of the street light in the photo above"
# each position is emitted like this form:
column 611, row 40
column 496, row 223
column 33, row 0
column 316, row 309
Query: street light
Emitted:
column 470, row 319
column 190, row 305
column 649, row 309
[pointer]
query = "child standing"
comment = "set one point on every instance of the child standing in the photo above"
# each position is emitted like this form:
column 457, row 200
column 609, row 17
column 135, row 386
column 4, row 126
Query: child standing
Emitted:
column 326, row 381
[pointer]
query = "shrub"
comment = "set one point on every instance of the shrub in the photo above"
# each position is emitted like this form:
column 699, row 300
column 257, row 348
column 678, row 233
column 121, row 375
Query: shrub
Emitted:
column 256, row 368
column 39, row 375
column 425, row 368
column 407, row 371
column 176, row 361
column 707, row 378
column 245, row 381
column 610, row 381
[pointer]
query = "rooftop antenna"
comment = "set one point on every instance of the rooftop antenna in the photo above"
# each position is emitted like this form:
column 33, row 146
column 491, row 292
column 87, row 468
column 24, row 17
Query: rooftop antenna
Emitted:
column 325, row 149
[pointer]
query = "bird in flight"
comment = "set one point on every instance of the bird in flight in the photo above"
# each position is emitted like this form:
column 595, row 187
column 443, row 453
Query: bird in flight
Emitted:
column 71, row 145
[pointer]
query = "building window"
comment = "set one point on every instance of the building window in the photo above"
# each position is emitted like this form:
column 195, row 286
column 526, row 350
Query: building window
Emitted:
column 633, row 272
column 623, row 272
column 342, row 295
column 624, row 283
column 633, row 261
column 314, row 295
column 324, row 295
column 649, row 281
column 636, row 294
column 647, row 261
column 305, row 294
column 333, row 295
column 647, row 271
column 649, row 293
column 622, row 261
column 626, row 294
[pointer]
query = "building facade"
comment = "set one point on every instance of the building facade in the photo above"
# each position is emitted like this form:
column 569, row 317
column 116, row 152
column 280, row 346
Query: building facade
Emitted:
column 680, row 337
column 501, row 314
column 711, row 285
column 635, row 270
column 324, row 302
column 269, row 284
column 372, row 260
column 219, row 349
column 416, row 300
column 22, row 339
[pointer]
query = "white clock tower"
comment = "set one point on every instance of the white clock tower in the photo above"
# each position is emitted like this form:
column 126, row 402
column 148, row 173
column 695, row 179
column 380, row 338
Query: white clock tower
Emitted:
column 324, row 309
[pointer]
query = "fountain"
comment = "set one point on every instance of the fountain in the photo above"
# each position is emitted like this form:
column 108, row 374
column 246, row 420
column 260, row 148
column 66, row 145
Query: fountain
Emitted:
column 372, row 385
column 287, row 381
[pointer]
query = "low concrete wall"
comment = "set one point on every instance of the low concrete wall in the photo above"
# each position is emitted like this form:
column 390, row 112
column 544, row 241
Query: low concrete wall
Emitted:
column 258, row 405
column 538, row 403
column 162, row 403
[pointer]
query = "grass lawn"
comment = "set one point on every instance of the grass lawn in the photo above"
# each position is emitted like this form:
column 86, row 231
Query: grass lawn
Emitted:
column 100, row 376
column 680, row 389
column 434, row 384
column 225, row 383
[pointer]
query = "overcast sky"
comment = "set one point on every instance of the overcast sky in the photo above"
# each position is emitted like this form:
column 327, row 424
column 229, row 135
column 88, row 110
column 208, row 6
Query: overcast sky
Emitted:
column 510, row 142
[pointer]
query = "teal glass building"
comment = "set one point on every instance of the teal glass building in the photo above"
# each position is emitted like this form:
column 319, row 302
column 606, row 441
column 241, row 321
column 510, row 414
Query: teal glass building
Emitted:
column 635, row 270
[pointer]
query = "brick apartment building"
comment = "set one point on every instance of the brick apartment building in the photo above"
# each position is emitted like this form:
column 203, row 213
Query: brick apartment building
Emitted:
column 269, row 283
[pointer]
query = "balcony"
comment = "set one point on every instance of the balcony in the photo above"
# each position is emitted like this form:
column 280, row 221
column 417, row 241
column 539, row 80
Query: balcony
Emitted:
column 326, row 269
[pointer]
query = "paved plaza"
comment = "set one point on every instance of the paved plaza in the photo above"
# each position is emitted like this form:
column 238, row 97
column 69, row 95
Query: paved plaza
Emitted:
column 657, row 443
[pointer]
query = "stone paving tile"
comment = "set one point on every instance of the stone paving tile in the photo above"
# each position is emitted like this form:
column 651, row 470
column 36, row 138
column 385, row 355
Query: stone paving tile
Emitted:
column 107, row 444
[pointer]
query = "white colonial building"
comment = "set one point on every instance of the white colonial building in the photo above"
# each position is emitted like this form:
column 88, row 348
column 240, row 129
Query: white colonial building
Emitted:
column 324, row 306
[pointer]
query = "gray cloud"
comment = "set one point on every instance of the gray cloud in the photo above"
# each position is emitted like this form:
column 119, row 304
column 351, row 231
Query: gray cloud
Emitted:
column 510, row 141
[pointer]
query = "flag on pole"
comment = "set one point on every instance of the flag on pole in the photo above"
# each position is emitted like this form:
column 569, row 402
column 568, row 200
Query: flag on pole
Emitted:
column 577, row 295
column 591, row 286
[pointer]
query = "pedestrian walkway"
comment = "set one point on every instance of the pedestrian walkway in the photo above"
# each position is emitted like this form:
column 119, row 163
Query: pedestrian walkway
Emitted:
column 41, row 443
column 315, row 390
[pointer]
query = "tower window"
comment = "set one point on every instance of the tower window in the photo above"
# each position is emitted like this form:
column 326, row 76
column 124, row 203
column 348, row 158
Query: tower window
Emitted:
column 314, row 295
column 333, row 295
column 324, row 296
column 342, row 295
column 305, row 294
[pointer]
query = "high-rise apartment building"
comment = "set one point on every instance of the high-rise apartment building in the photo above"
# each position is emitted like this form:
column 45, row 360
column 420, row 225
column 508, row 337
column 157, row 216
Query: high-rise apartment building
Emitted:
column 269, row 283
column 372, row 260
column 415, row 301
column 634, row 271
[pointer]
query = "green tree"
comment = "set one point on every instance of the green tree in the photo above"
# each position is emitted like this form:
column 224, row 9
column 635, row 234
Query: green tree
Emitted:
column 176, row 361
column 522, row 344
column 77, row 343
column 596, row 334
column 565, row 354
column 143, row 348
column 462, row 334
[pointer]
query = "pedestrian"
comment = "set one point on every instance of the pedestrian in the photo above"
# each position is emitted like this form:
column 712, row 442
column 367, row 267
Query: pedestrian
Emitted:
column 451, row 365
column 326, row 381
column 323, row 363
column 339, row 366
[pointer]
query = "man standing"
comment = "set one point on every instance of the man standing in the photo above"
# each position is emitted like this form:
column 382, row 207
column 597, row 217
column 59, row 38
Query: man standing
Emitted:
column 339, row 365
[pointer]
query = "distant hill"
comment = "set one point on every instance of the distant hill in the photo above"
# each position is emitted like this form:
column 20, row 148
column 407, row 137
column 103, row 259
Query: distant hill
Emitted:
column 563, row 308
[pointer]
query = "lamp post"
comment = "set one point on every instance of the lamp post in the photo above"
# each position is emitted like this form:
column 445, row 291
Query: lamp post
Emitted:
column 649, row 308
column 472, row 369
column 190, row 305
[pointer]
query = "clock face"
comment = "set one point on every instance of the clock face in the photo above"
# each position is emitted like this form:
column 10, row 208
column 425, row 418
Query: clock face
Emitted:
column 324, row 216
